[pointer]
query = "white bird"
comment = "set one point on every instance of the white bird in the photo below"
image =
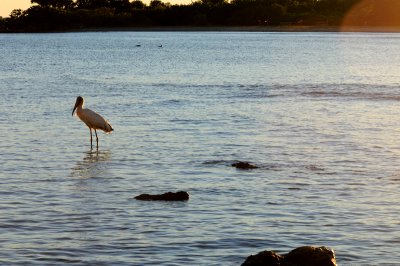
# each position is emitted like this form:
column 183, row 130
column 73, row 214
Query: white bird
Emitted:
column 92, row 119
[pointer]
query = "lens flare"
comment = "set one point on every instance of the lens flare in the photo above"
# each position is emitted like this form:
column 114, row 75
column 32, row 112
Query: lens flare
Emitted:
column 373, row 13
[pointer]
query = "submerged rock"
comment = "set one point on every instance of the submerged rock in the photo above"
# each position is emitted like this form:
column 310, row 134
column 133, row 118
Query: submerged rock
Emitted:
column 244, row 165
column 302, row 256
column 169, row 196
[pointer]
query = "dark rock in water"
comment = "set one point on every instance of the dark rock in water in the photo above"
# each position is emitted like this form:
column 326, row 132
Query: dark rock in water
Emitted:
column 244, row 165
column 169, row 196
column 264, row 258
column 302, row 256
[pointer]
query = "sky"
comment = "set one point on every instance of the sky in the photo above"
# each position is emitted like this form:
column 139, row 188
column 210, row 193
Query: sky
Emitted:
column 6, row 6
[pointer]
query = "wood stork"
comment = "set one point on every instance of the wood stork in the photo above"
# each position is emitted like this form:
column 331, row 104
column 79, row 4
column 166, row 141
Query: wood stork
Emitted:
column 92, row 119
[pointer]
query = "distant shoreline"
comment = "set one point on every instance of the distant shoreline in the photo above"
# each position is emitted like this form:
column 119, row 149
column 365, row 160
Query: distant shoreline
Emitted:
column 226, row 29
column 205, row 15
column 243, row 29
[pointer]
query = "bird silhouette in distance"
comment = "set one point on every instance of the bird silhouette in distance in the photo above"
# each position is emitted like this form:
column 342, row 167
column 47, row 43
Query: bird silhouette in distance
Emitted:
column 92, row 119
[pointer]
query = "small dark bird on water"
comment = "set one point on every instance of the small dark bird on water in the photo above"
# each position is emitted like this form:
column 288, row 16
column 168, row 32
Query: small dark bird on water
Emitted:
column 92, row 119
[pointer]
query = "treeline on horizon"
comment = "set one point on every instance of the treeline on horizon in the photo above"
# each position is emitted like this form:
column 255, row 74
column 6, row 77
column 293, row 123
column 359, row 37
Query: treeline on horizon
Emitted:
column 60, row 15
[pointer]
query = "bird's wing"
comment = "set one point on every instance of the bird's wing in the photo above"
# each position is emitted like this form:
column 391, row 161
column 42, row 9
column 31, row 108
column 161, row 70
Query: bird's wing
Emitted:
column 95, row 121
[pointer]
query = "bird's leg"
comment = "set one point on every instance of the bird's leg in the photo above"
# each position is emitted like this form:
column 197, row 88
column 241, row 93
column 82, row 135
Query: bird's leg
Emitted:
column 97, row 139
column 91, row 145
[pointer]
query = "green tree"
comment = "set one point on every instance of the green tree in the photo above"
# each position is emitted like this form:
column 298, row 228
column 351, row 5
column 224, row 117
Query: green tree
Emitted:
column 137, row 4
column 64, row 4
column 213, row 2
column 156, row 4
column 16, row 14
column 92, row 4
column 119, row 4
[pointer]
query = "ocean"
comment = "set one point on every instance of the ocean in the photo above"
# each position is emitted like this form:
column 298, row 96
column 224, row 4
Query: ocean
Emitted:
column 317, row 112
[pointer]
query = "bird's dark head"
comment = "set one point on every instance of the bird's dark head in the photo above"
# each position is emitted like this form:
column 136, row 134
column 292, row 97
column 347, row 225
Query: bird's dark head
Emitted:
column 79, row 102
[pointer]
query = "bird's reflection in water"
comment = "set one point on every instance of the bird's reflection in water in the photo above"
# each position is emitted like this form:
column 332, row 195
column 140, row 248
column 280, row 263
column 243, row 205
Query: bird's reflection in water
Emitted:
column 94, row 164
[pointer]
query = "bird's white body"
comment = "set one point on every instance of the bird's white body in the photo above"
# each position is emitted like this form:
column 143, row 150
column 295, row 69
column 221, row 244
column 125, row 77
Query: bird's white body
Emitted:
column 92, row 119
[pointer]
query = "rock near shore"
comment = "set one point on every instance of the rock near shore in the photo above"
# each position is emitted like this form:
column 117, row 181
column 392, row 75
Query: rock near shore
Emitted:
column 302, row 256
column 244, row 165
column 169, row 196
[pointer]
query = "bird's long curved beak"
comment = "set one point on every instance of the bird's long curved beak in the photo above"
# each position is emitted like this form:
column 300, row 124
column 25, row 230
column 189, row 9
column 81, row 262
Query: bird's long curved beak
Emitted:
column 79, row 102
column 73, row 111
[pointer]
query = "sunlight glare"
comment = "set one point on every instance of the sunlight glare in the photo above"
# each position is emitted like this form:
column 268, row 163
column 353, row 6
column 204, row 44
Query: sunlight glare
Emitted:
column 372, row 13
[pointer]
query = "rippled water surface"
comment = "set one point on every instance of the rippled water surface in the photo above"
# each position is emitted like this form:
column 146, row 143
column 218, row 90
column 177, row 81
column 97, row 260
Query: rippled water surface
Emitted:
column 318, row 112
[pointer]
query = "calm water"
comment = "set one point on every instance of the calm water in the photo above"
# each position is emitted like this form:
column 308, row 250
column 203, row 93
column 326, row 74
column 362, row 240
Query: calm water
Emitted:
column 319, row 112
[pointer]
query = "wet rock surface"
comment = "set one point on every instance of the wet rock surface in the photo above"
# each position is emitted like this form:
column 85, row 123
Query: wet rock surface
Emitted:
column 169, row 196
column 264, row 258
column 302, row 256
column 244, row 165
